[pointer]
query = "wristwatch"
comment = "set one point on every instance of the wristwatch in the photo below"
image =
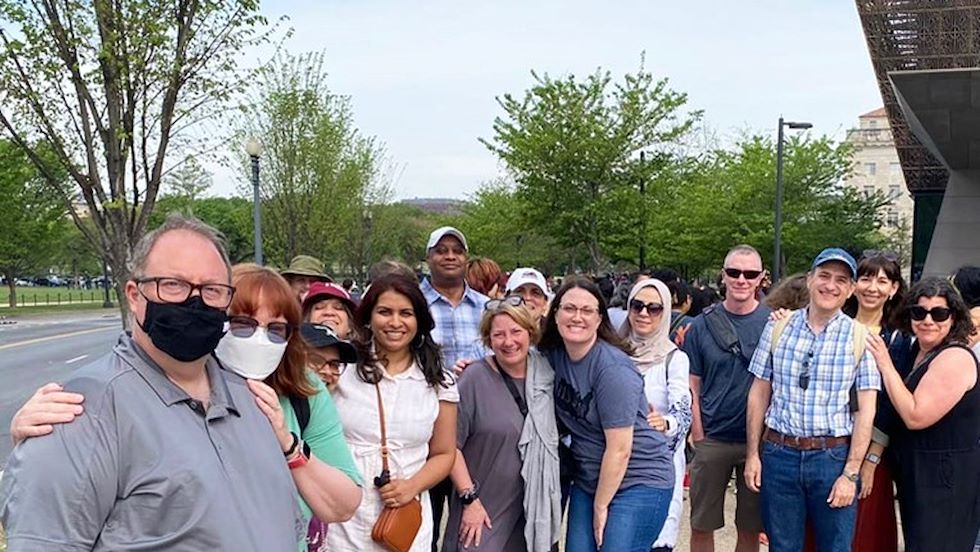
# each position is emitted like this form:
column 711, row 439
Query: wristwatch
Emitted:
column 301, row 458
column 852, row 477
column 872, row 458
column 469, row 495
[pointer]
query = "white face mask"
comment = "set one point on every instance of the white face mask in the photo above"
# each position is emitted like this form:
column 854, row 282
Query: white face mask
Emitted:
column 253, row 357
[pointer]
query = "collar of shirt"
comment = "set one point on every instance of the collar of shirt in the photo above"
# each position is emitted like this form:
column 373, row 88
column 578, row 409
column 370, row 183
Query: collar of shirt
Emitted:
column 470, row 295
column 803, row 321
column 414, row 372
column 169, row 393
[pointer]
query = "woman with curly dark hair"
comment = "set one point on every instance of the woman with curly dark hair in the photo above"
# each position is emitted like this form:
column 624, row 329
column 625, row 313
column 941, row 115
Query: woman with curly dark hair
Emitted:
column 400, row 362
column 936, row 440
column 625, row 475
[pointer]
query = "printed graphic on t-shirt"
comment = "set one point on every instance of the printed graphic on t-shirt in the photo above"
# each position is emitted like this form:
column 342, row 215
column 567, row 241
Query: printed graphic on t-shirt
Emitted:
column 569, row 400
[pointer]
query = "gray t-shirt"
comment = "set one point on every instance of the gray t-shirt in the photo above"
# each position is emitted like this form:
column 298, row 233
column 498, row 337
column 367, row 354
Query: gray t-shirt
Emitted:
column 725, row 379
column 489, row 426
column 147, row 467
column 603, row 391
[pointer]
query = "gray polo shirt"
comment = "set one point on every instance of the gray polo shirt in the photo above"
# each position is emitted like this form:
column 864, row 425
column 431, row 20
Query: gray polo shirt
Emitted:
column 147, row 468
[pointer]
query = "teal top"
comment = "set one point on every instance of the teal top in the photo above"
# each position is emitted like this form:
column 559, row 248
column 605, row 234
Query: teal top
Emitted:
column 324, row 434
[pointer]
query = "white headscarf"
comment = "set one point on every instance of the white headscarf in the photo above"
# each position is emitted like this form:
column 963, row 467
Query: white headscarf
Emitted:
column 654, row 348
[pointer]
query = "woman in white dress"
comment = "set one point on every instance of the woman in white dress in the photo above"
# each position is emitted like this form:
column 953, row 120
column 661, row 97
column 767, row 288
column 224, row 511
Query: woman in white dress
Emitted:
column 665, row 371
column 419, row 400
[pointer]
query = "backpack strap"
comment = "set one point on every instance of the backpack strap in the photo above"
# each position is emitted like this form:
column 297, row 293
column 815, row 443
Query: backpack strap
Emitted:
column 723, row 331
column 301, row 406
column 670, row 356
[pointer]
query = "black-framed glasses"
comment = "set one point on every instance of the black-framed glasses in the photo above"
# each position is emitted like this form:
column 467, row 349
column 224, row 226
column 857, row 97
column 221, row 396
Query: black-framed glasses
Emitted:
column 653, row 309
column 319, row 363
column 938, row 314
column 512, row 300
column 805, row 376
column 735, row 273
column 875, row 253
column 244, row 326
column 175, row 290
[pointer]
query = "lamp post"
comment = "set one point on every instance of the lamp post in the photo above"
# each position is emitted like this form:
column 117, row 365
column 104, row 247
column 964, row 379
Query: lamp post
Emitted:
column 254, row 149
column 107, row 304
column 643, row 223
column 368, row 220
column 778, row 253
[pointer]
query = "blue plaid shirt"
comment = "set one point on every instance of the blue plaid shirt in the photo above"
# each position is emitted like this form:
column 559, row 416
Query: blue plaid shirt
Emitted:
column 457, row 328
column 823, row 409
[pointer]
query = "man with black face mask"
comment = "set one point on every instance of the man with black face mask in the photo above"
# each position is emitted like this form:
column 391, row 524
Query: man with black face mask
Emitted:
column 172, row 452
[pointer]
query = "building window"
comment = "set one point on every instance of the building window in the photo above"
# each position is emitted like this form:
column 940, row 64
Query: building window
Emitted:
column 895, row 169
column 873, row 123
column 870, row 169
column 891, row 218
column 869, row 190
column 894, row 191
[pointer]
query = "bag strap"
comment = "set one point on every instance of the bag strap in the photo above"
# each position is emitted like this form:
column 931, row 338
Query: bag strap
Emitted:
column 670, row 357
column 511, row 386
column 301, row 406
column 723, row 331
column 384, row 434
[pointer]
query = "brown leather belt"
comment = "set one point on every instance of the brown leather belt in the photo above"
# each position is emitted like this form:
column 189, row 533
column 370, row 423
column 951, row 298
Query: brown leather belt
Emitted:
column 805, row 443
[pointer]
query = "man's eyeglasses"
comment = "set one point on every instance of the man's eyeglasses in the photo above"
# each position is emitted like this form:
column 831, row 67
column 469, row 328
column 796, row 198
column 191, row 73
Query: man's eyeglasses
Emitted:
column 735, row 273
column 318, row 364
column 175, row 290
column 512, row 300
column 244, row 326
column 938, row 314
column 875, row 253
column 653, row 309
column 570, row 310
column 805, row 376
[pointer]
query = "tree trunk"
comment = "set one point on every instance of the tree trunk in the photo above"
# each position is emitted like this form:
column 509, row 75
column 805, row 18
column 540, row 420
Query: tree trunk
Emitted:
column 12, row 285
column 118, row 262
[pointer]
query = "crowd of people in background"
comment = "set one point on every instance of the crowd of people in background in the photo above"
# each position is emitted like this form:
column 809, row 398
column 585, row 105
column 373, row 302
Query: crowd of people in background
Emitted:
column 494, row 402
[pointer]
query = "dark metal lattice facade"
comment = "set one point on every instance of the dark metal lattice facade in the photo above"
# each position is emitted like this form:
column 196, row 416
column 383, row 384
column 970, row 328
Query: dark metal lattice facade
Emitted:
column 909, row 35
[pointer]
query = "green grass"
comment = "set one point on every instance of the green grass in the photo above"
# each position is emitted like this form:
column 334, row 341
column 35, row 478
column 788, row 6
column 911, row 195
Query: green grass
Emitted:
column 49, row 309
column 52, row 296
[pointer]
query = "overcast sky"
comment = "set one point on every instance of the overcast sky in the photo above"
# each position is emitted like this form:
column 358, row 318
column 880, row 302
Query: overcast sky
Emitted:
column 422, row 76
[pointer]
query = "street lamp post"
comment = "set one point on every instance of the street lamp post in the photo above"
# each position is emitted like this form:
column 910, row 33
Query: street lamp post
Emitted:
column 254, row 149
column 107, row 304
column 778, row 253
column 643, row 224
column 368, row 220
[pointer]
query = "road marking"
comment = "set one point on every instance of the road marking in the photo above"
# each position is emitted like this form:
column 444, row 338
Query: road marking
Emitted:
column 53, row 337
column 76, row 359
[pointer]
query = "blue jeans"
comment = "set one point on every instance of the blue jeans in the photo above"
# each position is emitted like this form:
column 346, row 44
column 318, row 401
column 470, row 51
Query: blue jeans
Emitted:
column 795, row 487
column 636, row 516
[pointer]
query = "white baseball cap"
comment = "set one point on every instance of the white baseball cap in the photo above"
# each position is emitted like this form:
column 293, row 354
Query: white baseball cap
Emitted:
column 439, row 233
column 527, row 275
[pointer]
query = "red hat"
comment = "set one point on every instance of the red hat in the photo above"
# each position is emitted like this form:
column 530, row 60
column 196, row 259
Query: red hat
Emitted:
column 327, row 290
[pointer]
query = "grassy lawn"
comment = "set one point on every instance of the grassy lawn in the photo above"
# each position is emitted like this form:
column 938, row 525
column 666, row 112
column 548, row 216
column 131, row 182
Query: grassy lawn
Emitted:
column 48, row 309
column 52, row 296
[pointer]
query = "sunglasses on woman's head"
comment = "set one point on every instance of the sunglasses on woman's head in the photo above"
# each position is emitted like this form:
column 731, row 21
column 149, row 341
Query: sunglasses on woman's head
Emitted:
column 734, row 273
column 938, row 314
column 244, row 326
column 874, row 253
column 653, row 309
column 512, row 300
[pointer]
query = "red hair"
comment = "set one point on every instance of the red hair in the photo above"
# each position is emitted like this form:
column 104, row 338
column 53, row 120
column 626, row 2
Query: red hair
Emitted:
column 254, row 283
column 483, row 273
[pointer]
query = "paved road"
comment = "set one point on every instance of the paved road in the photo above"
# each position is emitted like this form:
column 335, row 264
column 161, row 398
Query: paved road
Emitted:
column 36, row 350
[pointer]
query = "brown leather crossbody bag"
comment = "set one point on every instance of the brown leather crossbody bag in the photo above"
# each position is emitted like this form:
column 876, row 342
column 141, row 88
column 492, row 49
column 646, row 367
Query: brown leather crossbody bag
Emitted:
column 396, row 528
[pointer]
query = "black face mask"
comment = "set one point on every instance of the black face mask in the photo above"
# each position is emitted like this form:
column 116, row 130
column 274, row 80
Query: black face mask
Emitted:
column 186, row 331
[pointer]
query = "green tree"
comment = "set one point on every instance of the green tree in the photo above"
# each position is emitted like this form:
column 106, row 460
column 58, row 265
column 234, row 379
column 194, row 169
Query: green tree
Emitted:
column 319, row 174
column 113, row 87
column 33, row 220
column 188, row 179
column 231, row 215
column 572, row 146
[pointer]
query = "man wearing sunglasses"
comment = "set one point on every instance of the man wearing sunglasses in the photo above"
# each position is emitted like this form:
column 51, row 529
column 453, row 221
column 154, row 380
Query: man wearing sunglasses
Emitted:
column 719, row 345
column 172, row 452
column 806, row 442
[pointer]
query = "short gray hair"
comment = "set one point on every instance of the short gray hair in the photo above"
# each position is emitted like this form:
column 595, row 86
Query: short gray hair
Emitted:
column 176, row 221
column 744, row 249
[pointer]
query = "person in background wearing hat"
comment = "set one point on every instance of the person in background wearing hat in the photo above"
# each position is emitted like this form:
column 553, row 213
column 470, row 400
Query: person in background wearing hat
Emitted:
column 531, row 285
column 330, row 304
column 456, row 309
column 805, row 444
column 328, row 354
column 302, row 272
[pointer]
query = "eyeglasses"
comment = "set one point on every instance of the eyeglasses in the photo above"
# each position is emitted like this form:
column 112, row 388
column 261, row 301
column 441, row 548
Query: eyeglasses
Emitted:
column 512, row 300
column 735, row 273
column 175, row 290
column 805, row 376
column 244, row 326
column 318, row 363
column 874, row 253
column 938, row 314
column 653, row 309
column 571, row 310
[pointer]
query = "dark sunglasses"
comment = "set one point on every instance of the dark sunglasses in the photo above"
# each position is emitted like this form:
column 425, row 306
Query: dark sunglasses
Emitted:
column 653, row 309
column 735, row 273
column 874, row 254
column 512, row 300
column 244, row 326
column 938, row 314
column 805, row 376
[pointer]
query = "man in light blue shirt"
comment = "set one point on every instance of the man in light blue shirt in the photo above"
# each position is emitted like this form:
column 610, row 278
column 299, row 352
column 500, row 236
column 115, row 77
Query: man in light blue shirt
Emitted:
column 802, row 419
